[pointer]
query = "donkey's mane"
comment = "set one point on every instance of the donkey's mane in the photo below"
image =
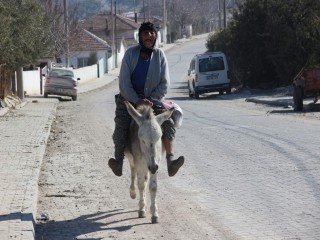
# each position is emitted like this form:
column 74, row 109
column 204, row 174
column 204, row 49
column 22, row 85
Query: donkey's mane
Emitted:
column 146, row 111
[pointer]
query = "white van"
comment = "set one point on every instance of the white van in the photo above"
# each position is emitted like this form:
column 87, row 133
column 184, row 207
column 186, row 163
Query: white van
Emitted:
column 208, row 72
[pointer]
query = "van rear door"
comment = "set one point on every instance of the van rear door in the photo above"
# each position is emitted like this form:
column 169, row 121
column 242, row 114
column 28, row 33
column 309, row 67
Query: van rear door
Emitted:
column 212, row 70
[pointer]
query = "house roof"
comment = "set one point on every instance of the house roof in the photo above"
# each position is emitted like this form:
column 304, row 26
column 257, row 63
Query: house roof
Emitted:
column 130, row 22
column 102, row 22
column 83, row 40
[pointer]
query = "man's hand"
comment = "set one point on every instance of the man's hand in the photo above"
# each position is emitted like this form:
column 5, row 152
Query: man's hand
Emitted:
column 143, row 102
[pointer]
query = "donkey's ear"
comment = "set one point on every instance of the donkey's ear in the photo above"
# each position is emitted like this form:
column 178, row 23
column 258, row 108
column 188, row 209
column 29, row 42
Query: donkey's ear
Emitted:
column 134, row 113
column 164, row 116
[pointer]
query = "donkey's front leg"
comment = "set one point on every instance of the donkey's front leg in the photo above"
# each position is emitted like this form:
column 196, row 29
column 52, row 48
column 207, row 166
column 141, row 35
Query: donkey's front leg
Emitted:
column 153, row 193
column 142, row 181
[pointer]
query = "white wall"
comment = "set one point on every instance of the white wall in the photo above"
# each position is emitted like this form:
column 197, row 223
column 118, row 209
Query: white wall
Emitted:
column 31, row 82
column 121, row 52
column 86, row 73
column 101, row 68
column 111, row 63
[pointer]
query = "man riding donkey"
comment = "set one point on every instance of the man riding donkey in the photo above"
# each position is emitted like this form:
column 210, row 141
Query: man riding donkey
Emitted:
column 143, row 79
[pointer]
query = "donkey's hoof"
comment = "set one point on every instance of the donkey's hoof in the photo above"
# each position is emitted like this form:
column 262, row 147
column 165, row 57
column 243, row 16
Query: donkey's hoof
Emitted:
column 133, row 194
column 154, row 219
column 142, row 214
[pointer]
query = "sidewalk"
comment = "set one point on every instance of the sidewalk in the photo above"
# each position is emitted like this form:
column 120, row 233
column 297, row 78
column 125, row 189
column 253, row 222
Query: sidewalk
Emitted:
column 24, row 134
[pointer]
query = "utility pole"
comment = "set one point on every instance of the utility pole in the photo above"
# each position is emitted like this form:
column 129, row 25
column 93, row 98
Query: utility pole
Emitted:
column 164, row 28
column 66, row 25
column 144, row 12
column 224, row 14
column 113, row 35
column 149, row 10
column 219, row 10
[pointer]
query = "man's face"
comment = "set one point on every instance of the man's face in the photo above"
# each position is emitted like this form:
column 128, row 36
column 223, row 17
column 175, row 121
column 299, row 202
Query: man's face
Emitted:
column 148, row 37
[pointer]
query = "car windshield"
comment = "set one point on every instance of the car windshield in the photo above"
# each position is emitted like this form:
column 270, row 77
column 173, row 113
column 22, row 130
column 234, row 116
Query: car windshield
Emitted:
column 61, row 73
column 211, row 64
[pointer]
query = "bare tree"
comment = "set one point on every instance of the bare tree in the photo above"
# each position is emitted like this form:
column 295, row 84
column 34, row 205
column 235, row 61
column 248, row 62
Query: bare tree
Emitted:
column 202, row 14
column 58, row 35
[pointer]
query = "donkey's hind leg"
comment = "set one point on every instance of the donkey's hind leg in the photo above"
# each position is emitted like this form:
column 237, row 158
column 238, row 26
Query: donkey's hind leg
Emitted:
column 133, row 182
column 153, row 193
column 142, row 181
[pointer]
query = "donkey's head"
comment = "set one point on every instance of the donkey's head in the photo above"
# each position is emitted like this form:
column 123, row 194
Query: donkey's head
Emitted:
column 149, row 133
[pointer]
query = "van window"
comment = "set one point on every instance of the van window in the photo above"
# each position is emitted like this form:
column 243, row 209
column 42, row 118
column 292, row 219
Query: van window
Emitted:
column 211, row 64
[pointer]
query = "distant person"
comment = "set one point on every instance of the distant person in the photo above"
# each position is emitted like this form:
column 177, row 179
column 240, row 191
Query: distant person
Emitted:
column 143, row 79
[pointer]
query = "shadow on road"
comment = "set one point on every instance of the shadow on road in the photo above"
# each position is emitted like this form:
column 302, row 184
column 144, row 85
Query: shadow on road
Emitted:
column 60, row 98
column 71, row 229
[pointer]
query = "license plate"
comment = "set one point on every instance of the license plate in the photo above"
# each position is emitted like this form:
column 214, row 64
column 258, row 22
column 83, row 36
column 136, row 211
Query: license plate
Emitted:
column 213, row 76
column 60, row 90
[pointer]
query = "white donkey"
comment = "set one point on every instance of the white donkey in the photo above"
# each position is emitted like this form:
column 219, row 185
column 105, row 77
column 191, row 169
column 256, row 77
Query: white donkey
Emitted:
column 144, row 150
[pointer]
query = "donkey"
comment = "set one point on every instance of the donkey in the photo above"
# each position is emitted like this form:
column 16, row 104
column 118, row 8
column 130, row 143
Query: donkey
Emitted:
column 144, row 149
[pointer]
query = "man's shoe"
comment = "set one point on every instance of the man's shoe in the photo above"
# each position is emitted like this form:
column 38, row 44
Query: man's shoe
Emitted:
column 116, row 166
column 174, row 165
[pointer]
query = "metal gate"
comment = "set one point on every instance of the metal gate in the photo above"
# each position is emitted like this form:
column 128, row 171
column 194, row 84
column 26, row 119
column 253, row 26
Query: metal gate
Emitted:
column 3, row 80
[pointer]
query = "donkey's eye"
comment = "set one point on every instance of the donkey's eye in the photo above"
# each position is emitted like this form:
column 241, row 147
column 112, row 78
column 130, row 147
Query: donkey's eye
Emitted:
column 151, row 145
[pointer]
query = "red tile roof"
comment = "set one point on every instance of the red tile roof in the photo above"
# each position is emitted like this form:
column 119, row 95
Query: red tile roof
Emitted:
column 102, row 21
column 83, row 40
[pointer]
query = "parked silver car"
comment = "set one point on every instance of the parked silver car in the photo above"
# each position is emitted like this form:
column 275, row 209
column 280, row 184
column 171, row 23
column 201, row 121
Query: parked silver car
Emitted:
column 61, row 81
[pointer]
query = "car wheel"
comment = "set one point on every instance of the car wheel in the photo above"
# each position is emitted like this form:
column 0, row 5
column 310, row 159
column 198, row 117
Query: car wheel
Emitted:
column 190, row 92
column 196, row 94
column 229, row 90
column 74, row 98
column 297, row 98
column 45, row 95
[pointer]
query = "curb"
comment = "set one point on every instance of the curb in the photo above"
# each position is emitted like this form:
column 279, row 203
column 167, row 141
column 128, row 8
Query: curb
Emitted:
column 30, row 205
column 274, row 102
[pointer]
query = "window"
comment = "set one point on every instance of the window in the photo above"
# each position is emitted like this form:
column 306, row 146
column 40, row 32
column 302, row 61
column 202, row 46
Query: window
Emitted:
column 83, row 62
column 60, row 73
column 211, row 64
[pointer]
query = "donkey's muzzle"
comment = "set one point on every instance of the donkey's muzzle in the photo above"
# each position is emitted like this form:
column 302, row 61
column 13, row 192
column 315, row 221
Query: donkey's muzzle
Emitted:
column 153, row 169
